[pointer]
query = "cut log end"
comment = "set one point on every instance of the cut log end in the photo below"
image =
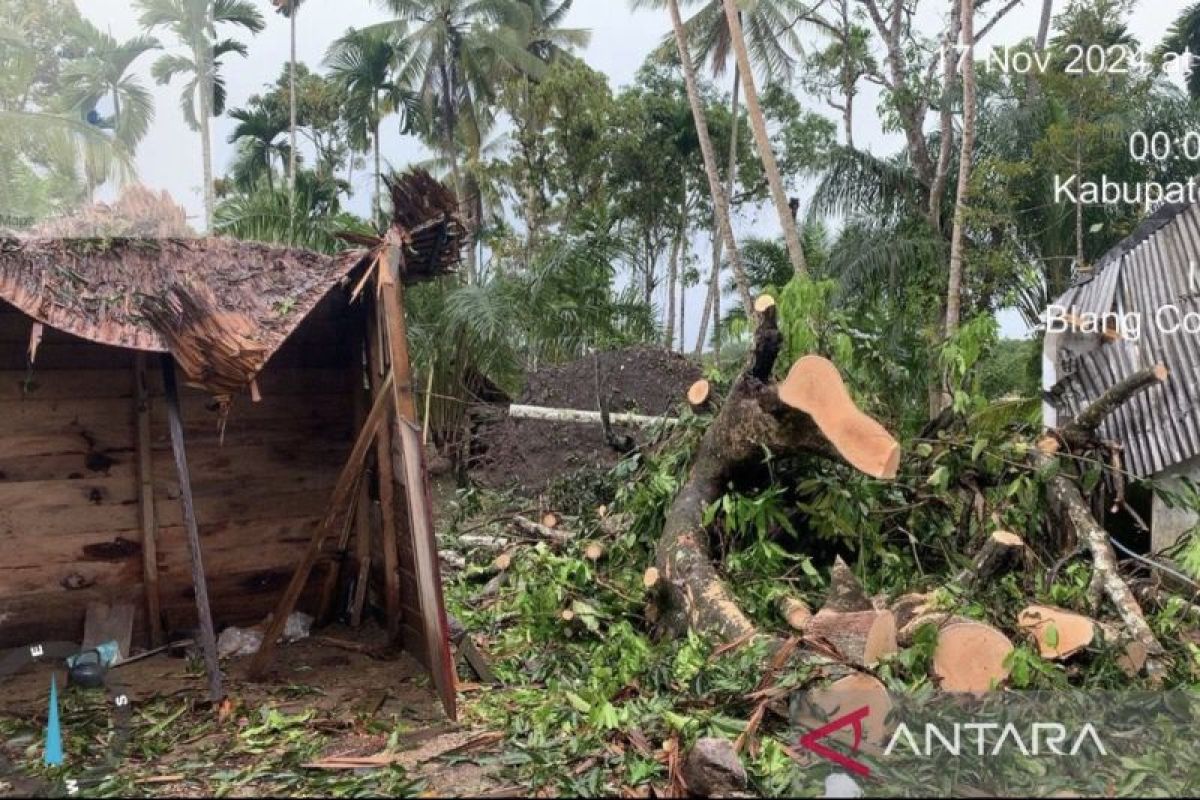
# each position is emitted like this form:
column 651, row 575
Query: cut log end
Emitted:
column 971, row 657
column 593, row 552
column 861, row 637
column 1059, row 634
column 842, row 696
column 815, row 387
column 764, row 303
column 699, row 394
column 845, row 592
column 796, row 612
column 650, row 578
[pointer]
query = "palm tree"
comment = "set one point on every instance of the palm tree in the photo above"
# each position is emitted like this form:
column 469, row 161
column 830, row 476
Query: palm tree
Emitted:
column 362, row 63
column 459, row 50
column 538, row 24
column 258, row 131
column 720, row 199
column 104, row 72
column 289, row 8
column 194, row 24
column 1184, row 36
column 758, row 124
column 970, row 115
column 770, row 27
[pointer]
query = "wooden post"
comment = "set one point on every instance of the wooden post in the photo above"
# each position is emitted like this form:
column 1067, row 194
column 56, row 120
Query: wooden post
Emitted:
column 387, row 495
column 208, row 639
column 146, row 503
column 416, row 483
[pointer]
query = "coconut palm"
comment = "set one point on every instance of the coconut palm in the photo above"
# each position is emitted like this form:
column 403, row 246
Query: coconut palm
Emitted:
column 194, row 24
column 103, row 72
column 770, row 30
column 758, row 124
column 460, row 49
column 363, row 63
column 289, row 8
column 538, row 24
column 257, row 134
column 1184, row 36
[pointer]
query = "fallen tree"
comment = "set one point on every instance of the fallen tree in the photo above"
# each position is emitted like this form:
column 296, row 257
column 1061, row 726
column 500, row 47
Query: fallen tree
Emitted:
column 811, row 412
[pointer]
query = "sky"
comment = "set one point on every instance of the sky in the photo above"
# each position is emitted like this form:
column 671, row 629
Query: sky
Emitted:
column 169, row 157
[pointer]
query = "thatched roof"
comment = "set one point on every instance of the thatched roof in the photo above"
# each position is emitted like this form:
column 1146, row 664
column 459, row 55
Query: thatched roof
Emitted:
column 234, row 302
column 221, row 307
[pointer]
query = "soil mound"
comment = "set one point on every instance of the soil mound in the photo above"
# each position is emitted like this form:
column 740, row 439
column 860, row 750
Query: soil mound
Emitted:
column 530, row 454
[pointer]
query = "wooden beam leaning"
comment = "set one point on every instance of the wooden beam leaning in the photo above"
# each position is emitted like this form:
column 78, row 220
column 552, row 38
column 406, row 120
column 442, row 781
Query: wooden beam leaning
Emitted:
column 387, row 488
column 344, row 492
column 146, row 502
column 208, row 638
column 416, row 482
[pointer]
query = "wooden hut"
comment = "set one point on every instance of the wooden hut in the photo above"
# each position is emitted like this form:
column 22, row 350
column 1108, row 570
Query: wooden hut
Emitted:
column 286, row 357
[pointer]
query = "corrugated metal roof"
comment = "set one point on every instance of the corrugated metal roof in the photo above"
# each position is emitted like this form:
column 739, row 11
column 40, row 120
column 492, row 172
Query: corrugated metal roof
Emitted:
column 1148, row 271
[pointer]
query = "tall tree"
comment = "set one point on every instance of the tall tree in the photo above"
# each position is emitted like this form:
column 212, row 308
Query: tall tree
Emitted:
column 363, row 63
column 105, row 71
column 257, row 134
column 758, row 124
column 720, row 199
column 289, row 9
column 970, row 114
column 1184, row 36
column 459, row 49
column 195, row 25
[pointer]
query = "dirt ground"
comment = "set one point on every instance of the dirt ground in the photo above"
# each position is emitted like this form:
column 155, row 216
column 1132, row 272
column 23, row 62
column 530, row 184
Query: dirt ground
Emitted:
column 320, row 701
column 529, row 454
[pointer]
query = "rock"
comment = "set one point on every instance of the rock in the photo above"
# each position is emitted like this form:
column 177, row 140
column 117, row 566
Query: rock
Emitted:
column 712, row 769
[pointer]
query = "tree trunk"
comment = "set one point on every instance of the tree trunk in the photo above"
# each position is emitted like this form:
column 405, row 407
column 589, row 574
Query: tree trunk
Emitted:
column 954, row 295
column 378, row 173
column 1043, row 35
column 946, row 121
column 292, row 103
column 205, row 89
column 673, row 275
column 759, row 416
column 758, row 124
column 712, row 303
column 720, row 200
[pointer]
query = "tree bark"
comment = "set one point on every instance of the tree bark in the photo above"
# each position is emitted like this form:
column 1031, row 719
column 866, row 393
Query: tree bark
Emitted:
column 673, row 275
column 720, row 200
column 712, row 303
column 754, row 419
column 292, row 103
column 954, row 294
column 937, row 191
column 758, row 124
column 205, row 89
column 378, row 204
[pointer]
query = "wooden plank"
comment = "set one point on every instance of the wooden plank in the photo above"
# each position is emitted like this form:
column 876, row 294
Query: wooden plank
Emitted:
column 61, row 507
column 343, row 495
column 109, row 623
column 146, row 504
column 208, row 639
column 386, row 482
column 416, row 481
column 78, row 465
column 29, row 617
column 46, row 384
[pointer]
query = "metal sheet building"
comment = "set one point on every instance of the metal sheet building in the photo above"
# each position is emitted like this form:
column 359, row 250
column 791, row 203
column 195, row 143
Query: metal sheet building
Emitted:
column 1138, row 307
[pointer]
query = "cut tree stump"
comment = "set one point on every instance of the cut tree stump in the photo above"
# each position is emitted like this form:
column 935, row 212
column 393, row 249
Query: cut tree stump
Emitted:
column 970, row 657
column 1002, row 551
column 843, row 696
column 1059, row 634
column 845, row 592
column 699, row 396
column 862, row 637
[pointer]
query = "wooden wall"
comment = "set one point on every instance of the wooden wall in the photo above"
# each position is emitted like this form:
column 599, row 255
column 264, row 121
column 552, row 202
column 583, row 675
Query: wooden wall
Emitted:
column 70, row 523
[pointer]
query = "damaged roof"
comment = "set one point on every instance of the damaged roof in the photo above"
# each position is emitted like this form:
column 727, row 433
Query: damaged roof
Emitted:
column 222, row 307
column 1152, row 269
